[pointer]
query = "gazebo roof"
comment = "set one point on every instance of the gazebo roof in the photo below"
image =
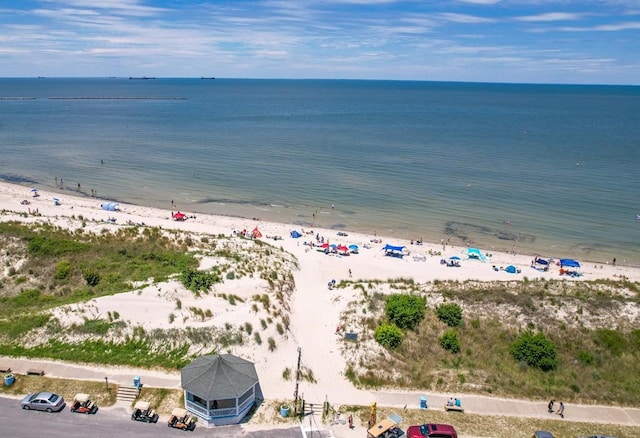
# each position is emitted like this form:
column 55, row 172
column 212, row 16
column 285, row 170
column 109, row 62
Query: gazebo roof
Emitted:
column 218, row 376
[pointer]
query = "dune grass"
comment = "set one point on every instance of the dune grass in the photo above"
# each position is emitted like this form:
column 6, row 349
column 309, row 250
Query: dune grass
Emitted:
column 598, row 356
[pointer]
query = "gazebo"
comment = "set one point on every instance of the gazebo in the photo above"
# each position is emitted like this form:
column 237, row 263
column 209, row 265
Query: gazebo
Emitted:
column 220, row 388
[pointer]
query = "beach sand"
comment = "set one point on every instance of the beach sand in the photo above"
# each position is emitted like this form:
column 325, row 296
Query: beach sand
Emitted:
column 315, row 310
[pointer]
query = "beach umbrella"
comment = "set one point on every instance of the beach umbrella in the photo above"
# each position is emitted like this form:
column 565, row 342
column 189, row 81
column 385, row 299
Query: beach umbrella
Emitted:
column 343, row 248
column 454, row 258
column 34, row 190
column 325, row 245
column 354, row 247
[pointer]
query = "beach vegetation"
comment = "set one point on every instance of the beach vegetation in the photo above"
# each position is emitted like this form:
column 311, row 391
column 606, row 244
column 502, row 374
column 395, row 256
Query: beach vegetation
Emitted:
column 198, row 281
column 449, row 341
column 536, row 350
column 450, row 314
column 272, row 344
column 132, row 352
column 405, row 311
column 63, row 270
column 389, row 336
column 495, row 315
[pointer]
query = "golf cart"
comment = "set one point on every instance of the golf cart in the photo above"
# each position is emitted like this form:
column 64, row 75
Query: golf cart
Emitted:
column 142, row 412
column 180, row 419
column 385, row 429
column 82, row 404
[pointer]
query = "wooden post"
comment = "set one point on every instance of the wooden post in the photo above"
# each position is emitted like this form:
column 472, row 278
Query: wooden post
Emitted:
column 295, row 393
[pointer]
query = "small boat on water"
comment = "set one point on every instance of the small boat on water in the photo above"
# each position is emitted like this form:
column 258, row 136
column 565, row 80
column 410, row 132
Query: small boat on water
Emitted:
column 141, row 77
column 202, row 77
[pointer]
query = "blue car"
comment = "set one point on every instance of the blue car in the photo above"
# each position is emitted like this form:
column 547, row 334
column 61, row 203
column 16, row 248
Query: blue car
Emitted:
column 43, row 401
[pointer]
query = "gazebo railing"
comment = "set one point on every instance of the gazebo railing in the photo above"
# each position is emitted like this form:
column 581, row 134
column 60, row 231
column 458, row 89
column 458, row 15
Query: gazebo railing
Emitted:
column 224, row 412
column 198, row 408
column 246, row 403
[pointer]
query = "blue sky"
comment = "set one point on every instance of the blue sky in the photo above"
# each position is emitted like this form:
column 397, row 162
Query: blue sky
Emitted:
column 539, row 41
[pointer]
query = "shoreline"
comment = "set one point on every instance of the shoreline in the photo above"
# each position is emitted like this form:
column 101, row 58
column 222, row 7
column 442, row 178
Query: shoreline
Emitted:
column 86, row 199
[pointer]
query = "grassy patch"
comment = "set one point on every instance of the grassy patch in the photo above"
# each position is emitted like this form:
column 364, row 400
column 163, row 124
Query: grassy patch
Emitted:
column 136, row 353
column 119, row 260
column 65, row 387
column 597, row 359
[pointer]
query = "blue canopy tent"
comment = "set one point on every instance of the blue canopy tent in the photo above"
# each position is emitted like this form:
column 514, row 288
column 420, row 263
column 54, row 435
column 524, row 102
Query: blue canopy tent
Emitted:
column 511, row 269
column 474, row 253
column 569, row 263
column 110, row 206
column 394, row 251
column 295, row 234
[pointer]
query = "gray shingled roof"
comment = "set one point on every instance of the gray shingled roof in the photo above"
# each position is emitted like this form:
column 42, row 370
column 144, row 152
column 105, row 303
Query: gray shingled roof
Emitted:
column 218, row 376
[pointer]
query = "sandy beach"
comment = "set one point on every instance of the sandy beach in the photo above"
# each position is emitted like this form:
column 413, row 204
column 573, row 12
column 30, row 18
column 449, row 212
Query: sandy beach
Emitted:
column 315, row 310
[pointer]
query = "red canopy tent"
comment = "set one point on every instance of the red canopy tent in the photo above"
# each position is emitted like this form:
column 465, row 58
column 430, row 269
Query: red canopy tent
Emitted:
column 179, row 216
column 256, row 233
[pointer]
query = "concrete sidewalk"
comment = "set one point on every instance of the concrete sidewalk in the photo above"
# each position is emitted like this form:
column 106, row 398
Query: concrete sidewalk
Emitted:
column 476, row 404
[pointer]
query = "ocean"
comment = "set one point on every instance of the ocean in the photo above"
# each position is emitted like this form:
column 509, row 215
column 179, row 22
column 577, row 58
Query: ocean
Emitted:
column 537, row 169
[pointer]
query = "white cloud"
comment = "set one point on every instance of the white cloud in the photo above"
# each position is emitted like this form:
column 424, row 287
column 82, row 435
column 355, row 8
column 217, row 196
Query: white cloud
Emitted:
column 551, row 16
column 464, row 18
column 480, row 2
column 613, row 27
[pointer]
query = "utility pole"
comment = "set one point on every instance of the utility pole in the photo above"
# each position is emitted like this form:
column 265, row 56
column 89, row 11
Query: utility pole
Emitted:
column 295, row 394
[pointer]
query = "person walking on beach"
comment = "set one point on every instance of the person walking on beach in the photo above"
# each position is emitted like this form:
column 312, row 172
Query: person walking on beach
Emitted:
column 550, row 406
column 561, row 410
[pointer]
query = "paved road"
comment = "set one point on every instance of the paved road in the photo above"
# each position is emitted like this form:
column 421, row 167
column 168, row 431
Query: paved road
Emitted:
column 18, row 423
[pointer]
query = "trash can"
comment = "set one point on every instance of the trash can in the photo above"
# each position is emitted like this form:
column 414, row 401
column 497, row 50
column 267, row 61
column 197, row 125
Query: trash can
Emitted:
column 284, row 410
column 423, row 402
column 136, row 381
column 9, row 379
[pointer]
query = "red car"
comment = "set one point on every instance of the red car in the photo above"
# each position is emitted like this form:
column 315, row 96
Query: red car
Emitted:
column 432, row 431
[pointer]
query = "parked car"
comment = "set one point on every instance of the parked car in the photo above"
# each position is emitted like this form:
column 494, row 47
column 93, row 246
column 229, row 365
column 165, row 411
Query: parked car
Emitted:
column 43, row 401
column 432, row 430
column 542, row 434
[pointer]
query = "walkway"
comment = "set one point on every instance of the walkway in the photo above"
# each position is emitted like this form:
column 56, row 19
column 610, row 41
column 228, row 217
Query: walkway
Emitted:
column 477, row 404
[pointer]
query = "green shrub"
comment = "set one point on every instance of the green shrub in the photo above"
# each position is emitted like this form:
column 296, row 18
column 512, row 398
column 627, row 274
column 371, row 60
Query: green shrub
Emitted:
column 389, row 336
column 63, row 270
column 450, row 314
column 535, row 350
column 405, row 311
column 585, row 358
column 198, row 281
column 92, row 278
column 449, row 341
